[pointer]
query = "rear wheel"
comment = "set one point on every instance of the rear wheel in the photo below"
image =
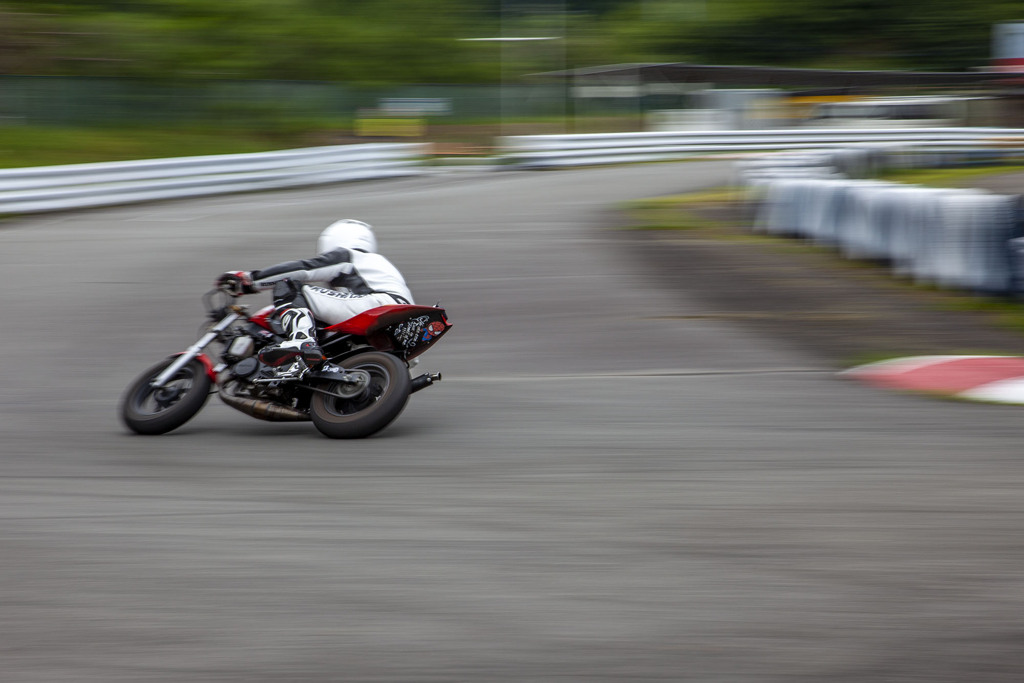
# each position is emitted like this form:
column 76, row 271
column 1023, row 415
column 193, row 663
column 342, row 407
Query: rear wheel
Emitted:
column 146, row 410
column 367, row 408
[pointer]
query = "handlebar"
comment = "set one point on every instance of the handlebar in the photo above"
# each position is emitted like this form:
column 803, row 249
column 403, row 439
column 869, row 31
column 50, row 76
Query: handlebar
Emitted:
column 219, row 309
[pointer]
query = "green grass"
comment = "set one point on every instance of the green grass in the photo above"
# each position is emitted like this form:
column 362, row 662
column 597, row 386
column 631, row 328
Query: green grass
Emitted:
column 1007, row 312
column 22, row 146
column 677, row 212
column 946, row 177
column 717, row 194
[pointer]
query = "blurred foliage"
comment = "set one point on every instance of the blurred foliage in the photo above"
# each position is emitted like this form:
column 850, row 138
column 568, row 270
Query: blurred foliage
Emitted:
column 911, row 34
column 410, row 41
column 357, row 41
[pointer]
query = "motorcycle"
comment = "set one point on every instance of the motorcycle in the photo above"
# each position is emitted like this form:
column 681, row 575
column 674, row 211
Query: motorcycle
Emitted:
column 361, row 387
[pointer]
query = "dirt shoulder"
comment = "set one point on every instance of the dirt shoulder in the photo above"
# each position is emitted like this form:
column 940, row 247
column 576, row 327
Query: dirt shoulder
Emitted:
column 839, row 311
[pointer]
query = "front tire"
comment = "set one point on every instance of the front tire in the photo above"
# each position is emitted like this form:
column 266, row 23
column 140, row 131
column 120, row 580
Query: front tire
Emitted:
column 157, row 411
column 374, row 408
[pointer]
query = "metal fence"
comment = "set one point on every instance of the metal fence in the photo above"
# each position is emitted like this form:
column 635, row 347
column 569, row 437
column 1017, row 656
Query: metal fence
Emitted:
column 108, row 101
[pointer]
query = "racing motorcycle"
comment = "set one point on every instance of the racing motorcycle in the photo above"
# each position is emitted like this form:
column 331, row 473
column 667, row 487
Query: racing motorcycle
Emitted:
column 361, row 387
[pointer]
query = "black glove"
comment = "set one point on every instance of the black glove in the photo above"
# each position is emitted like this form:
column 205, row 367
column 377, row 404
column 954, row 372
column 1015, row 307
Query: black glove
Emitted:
column 236, row 283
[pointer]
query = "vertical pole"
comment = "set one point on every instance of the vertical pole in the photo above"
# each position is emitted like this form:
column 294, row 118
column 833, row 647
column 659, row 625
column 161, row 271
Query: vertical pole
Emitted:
column 638, row 83
column 570, row 109
column 501, row 70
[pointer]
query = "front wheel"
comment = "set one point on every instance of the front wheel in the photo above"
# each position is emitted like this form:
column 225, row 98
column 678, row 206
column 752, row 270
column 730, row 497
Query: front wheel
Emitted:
column 368, row 408
column 146, row 410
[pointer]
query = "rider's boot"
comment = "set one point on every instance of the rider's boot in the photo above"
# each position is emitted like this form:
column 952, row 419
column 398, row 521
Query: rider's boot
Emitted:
column 298, row 324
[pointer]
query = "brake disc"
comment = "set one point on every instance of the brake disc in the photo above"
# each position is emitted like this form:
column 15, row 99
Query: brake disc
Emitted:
column 355, row 383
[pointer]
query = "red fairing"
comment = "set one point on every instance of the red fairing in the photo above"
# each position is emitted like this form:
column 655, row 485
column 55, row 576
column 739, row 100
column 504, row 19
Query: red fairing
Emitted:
column 405, row 330
column 207, row 363
column 368, row 322
column 262, row 317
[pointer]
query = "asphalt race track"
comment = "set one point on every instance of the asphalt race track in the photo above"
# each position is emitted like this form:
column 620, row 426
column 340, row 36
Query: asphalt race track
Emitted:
column 605, row 487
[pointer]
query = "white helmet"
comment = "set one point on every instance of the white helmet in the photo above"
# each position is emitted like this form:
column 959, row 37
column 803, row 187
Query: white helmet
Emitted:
column 347, row 233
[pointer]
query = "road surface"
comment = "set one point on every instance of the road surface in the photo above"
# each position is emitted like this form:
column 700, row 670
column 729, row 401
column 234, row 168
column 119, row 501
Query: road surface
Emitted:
column 605, row 487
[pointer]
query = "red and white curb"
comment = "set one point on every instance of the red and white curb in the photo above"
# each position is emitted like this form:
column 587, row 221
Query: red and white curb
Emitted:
column 997, row 379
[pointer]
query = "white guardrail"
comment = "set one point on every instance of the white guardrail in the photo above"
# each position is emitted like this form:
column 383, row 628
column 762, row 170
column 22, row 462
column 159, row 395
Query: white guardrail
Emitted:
column 553, row 151
column 56, row 188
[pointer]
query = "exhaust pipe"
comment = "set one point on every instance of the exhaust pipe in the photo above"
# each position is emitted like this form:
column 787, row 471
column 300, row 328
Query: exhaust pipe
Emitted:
column 424, row 381
column 263, row 410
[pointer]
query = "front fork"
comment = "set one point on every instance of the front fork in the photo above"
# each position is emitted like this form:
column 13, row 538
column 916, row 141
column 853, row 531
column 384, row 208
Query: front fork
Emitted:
column 186, row 357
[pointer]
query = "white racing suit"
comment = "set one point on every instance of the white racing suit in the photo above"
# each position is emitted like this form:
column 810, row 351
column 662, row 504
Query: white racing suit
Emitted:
column 335, row 285
column 330, row 287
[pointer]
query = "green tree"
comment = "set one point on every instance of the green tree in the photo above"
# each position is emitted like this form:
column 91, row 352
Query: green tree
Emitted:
column 410, row 41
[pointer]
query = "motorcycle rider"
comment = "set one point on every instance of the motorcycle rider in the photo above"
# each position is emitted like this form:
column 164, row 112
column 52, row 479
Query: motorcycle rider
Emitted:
column 345, row 278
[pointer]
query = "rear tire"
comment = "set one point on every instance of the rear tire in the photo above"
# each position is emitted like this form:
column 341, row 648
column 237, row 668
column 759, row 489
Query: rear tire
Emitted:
column 157, row 411
column 371, row 411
